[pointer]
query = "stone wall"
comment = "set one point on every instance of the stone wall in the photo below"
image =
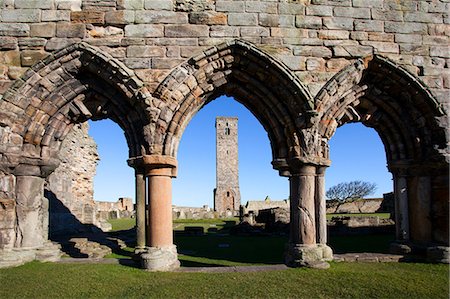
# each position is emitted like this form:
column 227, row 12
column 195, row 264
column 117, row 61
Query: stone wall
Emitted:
column 122, row 208
column 70, row 188
column 367, row 205
column 314, row 38
column 204, row 212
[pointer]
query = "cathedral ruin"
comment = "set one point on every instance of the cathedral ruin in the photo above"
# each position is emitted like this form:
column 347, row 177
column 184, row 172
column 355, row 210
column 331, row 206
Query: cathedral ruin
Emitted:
column 303, row 68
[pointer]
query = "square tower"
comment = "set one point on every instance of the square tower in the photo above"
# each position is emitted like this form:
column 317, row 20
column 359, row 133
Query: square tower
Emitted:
column 227, row 197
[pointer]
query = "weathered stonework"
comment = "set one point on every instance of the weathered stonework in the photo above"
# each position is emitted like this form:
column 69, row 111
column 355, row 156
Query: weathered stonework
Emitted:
column 227, row 197
column 302, row 68
column 70, row 188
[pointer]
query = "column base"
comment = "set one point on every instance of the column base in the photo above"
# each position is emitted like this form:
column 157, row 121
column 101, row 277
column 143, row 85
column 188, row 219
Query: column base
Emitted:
column 438, row 254
column 313, row 256
column 400, row 247
column 14, row 257
column 160, row 258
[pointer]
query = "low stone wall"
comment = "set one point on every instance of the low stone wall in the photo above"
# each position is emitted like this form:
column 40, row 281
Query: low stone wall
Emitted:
column 367, row 205
column 204, row 212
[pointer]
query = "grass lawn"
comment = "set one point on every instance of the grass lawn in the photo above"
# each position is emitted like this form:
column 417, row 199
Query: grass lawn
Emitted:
column 342, row 280
column 216, row 249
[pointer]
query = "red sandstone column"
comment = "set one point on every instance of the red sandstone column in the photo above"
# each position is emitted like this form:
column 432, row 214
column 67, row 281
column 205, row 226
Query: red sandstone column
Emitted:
column 160, row 207
column 160, row 253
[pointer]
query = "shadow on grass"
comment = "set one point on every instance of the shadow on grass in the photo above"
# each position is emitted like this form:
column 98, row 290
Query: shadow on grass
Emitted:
column 63, row 226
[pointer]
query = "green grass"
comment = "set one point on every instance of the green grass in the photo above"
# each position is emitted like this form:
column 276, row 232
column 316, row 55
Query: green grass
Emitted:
column 122, row 223
column 180, row 224
column 342, row 280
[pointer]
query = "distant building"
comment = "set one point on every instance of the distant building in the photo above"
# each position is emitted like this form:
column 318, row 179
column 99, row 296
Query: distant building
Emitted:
column 227, row 197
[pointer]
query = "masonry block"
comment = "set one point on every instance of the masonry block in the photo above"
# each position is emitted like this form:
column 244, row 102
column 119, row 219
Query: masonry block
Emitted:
column 8, row 43
column 158, row 4
column 90, row 17
column 144, row 30
column 21, row 15
column 242, row 19
column 29, row 58
column 161, row 17
column 349, row 12
column 145, row 51
column 230, row 6
column 186, row 30
column 55, row 15
column 119, row 17
column 208, row 18
column 42, row 4
column 70, row 30
column 43, row 29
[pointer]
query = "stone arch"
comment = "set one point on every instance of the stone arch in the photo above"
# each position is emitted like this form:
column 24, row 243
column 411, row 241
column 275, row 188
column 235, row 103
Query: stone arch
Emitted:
column 386, row 97
column 70, row 86
column 412, row 126
column 261, row 83
column 73, row 85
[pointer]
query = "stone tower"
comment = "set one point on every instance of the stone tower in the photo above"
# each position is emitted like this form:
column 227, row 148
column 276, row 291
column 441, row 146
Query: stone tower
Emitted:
column 227, row 197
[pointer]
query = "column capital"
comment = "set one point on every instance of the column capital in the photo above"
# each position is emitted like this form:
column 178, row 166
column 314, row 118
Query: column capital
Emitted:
column 160, row 165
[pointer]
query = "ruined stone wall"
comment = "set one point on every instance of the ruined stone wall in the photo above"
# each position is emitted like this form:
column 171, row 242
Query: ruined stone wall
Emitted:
column 314, row 38
column 70, row 188
column 122, row 208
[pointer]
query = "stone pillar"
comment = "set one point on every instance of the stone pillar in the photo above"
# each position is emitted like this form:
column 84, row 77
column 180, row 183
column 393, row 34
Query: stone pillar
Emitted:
column 302, row 249
column 401, row 208
column 321, row 208
column 161, row 253
column 321, row 214
column 419, row 194
column 30, row 230
column 140, row 210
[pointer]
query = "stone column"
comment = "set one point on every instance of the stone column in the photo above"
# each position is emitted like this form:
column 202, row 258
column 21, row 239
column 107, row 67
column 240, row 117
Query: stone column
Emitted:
column 302, row 249
column 419, row 195
column 32, row 213
column 401, row 208
column 161, row 253
column 140, row 210
column 140, row 186
column 401, row 244
column 321, row 214
column 321, row 209
column 30, row 230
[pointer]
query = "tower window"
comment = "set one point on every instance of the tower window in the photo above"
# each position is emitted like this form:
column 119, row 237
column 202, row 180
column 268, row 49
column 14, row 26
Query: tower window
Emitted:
column 227, row 131
column 228, row 193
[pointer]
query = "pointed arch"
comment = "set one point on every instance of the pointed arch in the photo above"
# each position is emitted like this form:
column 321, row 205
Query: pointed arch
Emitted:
column 384, row 96
column 73, row 85
column 261, row 83
column 412, row 126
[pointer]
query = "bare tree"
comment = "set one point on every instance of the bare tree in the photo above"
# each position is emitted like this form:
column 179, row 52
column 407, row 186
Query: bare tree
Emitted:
column 351, row 190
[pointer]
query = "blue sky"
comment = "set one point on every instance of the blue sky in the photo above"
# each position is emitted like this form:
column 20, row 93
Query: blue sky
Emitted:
column 356, row 153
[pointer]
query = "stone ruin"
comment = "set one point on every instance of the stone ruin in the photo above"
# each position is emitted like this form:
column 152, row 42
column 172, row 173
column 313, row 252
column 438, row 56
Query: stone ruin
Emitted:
column 303, row 68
